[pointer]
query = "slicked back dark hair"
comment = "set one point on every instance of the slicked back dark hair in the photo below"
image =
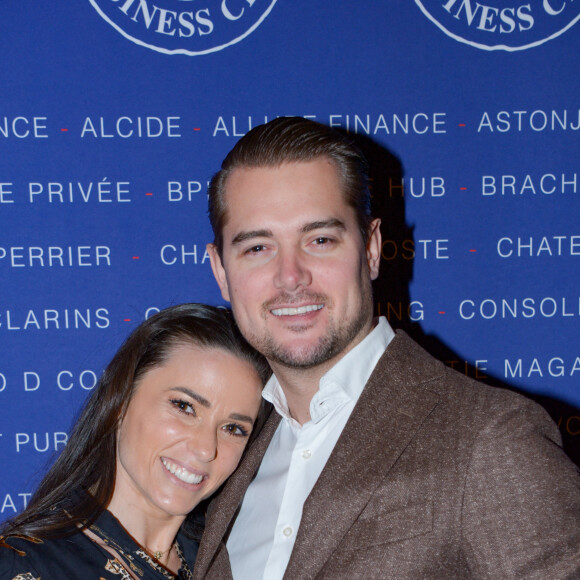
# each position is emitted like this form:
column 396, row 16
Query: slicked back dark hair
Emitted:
column 288, row 140
column 88, row 462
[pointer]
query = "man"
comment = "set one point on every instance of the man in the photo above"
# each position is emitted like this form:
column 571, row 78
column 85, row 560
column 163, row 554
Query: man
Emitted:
column 378, row 461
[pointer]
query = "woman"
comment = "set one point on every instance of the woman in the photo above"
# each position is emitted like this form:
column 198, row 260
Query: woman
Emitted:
column 166, row 425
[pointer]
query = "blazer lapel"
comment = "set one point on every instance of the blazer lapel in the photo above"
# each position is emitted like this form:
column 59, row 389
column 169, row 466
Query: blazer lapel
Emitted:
column 223, row 508
column 389, row 412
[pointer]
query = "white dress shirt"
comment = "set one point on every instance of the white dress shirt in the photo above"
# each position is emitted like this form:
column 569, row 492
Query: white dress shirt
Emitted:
column 263, row 535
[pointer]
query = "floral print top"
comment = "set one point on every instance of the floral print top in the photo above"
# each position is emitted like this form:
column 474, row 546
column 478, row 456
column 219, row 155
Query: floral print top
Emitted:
column 78, row 556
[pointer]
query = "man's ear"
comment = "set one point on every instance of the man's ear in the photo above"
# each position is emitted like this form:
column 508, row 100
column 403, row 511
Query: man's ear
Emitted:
column 374, row 248
column 218, row 270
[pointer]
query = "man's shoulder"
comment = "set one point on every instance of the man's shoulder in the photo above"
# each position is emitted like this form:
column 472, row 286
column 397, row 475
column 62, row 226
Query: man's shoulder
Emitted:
column 409, row 365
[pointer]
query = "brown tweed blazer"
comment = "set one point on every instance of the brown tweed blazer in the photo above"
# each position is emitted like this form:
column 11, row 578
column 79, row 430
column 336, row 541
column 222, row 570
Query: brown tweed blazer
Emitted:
column 434, row 476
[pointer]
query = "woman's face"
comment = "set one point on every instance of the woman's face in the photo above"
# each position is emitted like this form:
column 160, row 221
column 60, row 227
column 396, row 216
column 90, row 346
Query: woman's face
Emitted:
column 184, row 431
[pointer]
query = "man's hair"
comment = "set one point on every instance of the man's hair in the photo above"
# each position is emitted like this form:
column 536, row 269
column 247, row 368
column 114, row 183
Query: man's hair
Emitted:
column 290, row 140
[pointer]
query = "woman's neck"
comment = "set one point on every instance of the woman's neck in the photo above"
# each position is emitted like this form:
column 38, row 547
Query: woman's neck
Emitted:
column 155, row 532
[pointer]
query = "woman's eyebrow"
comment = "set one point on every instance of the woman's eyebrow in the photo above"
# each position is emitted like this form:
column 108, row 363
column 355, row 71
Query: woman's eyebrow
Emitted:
column 205, row 403
column 243, row 418
column 201, row 400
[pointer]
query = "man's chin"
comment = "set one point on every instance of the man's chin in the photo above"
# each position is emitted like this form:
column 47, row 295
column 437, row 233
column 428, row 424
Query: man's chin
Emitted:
column 300, row 356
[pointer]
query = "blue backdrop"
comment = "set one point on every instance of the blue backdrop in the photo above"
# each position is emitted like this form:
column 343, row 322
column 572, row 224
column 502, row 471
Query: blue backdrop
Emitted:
column 115, row 113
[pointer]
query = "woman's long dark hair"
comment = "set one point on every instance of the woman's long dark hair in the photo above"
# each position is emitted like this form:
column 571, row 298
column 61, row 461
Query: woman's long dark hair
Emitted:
column 88, row 462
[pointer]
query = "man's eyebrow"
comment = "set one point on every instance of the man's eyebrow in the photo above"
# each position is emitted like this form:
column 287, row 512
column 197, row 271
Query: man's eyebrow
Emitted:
column 244, row 236
column 196, row 396
column 321, row 224
column 309, row 227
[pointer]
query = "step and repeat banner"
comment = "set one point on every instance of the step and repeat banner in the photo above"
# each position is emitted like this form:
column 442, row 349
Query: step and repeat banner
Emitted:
column 114, row 114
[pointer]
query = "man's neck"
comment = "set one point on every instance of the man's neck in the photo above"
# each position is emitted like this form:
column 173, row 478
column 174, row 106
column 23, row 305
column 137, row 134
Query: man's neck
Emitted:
column 301, row 384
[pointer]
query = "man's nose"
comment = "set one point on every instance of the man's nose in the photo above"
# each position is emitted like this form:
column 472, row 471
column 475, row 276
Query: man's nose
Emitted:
column 291, row 271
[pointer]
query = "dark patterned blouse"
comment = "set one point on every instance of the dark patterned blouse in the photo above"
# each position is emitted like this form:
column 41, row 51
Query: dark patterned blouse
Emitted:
column 79, row 557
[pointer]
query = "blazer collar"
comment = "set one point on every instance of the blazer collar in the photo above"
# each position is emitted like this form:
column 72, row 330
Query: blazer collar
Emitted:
column 389, row 412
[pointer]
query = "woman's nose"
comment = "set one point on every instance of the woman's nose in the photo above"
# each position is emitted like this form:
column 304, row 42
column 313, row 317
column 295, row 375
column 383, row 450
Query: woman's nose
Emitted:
column 203, row 443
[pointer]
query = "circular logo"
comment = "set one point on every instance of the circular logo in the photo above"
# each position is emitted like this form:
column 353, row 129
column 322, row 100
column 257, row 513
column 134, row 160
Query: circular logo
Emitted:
column 501, row 24
column 189, row 27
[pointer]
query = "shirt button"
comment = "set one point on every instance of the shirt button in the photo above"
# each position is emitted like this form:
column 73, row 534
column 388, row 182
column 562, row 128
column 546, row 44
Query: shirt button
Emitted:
column 287, row 531
column 306, row 454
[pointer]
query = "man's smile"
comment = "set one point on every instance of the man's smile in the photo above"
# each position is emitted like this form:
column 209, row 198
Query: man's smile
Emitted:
column 295, row 311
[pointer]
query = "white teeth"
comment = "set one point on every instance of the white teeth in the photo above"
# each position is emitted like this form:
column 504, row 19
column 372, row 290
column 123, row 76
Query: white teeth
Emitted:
column 296, row 311
column 181, row 473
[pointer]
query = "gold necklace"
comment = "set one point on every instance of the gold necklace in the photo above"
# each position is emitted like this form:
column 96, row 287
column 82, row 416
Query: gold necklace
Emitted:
column 158, row 554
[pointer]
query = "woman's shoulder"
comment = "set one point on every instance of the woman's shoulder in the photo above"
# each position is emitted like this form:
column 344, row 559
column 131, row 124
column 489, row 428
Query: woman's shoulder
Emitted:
column 18, row 556
column 29, row 558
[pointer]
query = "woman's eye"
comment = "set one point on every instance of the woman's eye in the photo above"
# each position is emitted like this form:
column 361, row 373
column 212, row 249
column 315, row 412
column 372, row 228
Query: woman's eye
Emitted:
column 235, row 430
column 183, row 406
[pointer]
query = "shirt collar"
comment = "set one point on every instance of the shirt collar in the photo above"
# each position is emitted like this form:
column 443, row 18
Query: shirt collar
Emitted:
column 344, row 381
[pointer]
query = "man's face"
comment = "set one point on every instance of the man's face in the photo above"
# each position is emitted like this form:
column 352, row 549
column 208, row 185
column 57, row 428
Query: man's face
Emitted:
column 294, row 265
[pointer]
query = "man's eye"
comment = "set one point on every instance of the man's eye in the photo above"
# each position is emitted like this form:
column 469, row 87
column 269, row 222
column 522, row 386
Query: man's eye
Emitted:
column 322, row 240
column 255, row 249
